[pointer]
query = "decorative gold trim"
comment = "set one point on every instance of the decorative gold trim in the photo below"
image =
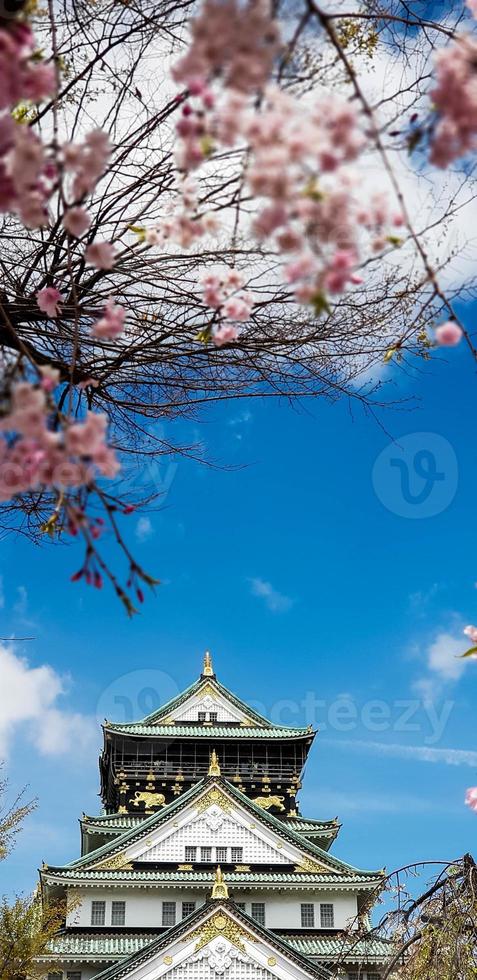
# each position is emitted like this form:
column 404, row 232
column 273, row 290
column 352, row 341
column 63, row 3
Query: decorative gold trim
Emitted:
column 167, row 960
column 242, row 867
column 220, row 925
column 207, row 670
column 168, row 720
column 308, row 865
column 118, row 862
column 271, row 961
column 214, row 796
column 185, row 867
column 207, row 690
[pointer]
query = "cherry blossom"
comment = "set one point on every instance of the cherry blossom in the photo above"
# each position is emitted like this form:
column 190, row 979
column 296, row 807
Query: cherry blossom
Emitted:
column 111, row 324
column 34, row 455
column 76, row 221
column 100, row 254
column 448, row 334
column 238, row 41
column 48, row 299
column 455, row 99
column 471, row 798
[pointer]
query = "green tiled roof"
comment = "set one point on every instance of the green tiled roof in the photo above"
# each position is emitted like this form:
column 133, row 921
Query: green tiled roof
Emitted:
column 207, row 731
column 306, row 824
column 111, row 822
column 368, row 950
column 117, row 845
column 359, row 879
column 115, row 946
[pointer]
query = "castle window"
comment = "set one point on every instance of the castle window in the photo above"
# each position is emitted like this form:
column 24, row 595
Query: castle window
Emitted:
column 73, row 975
column 118, row 913
column 213, row 715
column 327, row 916
column 98, row 913
column 258, row 912
column 221, row 855
column 372, row 976
column 55, row 976
column 206, row 854
column 191, row 854
column 168, row 914
column 202, row 715
column 237, row 855
column 187, row 909
column 307, row 915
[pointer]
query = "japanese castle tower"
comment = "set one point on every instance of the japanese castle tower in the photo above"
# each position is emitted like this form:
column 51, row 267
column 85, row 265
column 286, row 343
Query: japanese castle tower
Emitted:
column 201, row 866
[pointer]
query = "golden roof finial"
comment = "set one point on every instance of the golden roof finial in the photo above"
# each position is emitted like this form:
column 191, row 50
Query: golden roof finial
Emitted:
column 208, row 670
column 219, row 889
column 214, row 768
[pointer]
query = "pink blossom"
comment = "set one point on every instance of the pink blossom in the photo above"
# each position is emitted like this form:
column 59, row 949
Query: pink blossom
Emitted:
column 225, row 334
column 471, row 798
column 111, row 324
column 472, row 6
column 76, row 221
column 237, row 308
column 48, row 299
column 49, row 377
column 39, row 82
column 100, row 254
column 448, row 334
column 471, row 632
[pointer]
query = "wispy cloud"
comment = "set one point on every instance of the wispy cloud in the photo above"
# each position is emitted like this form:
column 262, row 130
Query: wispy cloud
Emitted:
column 30, row 705
column 418, row 753
column 275, row 601
column 144, row 529
column 442, row 663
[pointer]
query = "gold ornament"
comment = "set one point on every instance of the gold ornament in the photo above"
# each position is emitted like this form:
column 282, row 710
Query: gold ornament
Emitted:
column 221, row 925
column 118, row 862
column 207, row 670
column 214, row 768
column 214, row 796
column 149, row 799
column 308, row 865
column 271, row 961
column 219, row 889
column 265, row 802
column 167, row 960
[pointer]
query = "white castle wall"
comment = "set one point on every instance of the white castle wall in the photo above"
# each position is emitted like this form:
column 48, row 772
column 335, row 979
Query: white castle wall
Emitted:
column 144, row 908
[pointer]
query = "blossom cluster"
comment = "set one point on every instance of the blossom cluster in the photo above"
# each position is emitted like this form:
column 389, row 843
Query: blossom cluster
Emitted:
column 455, row 99
column 238, row 41
column 27, row 173
column 34, row 455
column 223, row 292
column 308, row 201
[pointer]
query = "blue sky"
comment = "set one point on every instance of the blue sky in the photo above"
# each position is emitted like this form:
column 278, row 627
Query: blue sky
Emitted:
column 306, row 588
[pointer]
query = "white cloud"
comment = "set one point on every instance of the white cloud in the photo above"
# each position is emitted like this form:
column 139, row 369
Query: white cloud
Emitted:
column 275, row 601
column 21, row 605
column 144, row 529
column 418, row 753
column 29, row 706
column 442, row 662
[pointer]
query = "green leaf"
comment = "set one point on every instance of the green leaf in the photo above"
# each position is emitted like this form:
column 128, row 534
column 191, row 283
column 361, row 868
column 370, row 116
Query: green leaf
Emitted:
column 204, row 335
column 320, row 303
column 468, row 653
column 139, row 231
column 394, row 240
